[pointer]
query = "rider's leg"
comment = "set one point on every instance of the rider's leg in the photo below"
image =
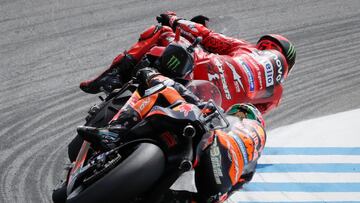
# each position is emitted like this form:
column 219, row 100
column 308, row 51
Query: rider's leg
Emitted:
column 120, row 70
column 110, row 78
column 108, row 137
column 218, row 170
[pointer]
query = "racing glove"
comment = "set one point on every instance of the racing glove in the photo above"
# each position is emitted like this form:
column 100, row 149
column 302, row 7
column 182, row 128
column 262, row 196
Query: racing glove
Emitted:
column 168, row 18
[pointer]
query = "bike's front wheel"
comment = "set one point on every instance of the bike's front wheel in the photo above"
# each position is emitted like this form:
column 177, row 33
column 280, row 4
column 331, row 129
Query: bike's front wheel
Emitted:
column 132, row 177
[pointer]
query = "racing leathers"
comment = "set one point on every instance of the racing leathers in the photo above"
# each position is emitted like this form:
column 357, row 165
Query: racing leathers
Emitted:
column 243, row 72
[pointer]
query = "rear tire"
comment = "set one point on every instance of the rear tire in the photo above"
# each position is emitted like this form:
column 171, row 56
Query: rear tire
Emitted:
column 132, row 177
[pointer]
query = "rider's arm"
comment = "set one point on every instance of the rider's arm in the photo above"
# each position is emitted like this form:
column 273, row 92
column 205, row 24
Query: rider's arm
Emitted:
column 186, row 94
column 267, row 104
column 127, row 60
column 212, row 41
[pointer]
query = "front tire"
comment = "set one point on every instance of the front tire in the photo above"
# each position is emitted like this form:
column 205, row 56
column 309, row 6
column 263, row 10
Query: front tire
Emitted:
column 74, row 147
column 132, row 177
column 59, row 194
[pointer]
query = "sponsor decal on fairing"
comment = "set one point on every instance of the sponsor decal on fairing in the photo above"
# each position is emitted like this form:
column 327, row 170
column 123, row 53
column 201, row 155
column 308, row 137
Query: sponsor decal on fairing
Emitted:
column 185, row 108
column 144, row 103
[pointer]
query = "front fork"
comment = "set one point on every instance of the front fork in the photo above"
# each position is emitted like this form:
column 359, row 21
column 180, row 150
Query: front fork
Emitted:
column 77, row 167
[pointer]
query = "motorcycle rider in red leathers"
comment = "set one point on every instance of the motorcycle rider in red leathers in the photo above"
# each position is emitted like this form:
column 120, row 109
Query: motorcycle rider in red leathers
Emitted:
column 245, row 73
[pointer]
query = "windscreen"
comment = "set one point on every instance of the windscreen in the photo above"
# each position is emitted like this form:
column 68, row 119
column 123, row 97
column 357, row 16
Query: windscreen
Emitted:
column 205, row 90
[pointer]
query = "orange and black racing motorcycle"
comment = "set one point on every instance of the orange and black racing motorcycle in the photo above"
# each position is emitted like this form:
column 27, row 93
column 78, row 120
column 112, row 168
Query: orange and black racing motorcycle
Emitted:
column 153, row 154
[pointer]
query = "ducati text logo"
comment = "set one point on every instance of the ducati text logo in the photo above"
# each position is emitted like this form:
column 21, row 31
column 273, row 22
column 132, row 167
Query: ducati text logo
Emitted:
column 223, row 79
column 173, row 63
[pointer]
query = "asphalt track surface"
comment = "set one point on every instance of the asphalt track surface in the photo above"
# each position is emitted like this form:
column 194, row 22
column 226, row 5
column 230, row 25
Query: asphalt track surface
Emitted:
column 48, row 47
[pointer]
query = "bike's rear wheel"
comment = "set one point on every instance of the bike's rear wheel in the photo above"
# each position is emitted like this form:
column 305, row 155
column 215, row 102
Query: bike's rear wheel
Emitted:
column 132, row 177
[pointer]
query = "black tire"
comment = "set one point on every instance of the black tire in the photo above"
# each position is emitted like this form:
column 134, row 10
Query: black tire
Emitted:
column 59, row 194
column 132, row 177
column 74, row 147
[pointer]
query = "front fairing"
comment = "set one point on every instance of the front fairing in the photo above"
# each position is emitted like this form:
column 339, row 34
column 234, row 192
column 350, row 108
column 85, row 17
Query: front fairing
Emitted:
column 184, row 111
column 175, row 119
column 205, row 91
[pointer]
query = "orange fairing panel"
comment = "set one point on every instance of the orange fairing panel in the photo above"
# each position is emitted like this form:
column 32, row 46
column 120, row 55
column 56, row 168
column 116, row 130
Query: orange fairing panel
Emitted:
column 131, row 102
column 171, row 95
column 144, row 105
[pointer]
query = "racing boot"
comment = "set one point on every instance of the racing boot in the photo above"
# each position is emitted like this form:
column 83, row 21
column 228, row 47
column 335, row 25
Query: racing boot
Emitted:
column 102, row 139
column 114, row 77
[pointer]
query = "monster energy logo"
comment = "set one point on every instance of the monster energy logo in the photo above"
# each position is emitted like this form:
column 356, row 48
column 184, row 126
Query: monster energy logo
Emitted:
column 173, row 63
column 291, row 52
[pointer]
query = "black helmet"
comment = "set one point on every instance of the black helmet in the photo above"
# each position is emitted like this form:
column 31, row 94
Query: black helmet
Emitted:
column 176, row 61
column 281, row 44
